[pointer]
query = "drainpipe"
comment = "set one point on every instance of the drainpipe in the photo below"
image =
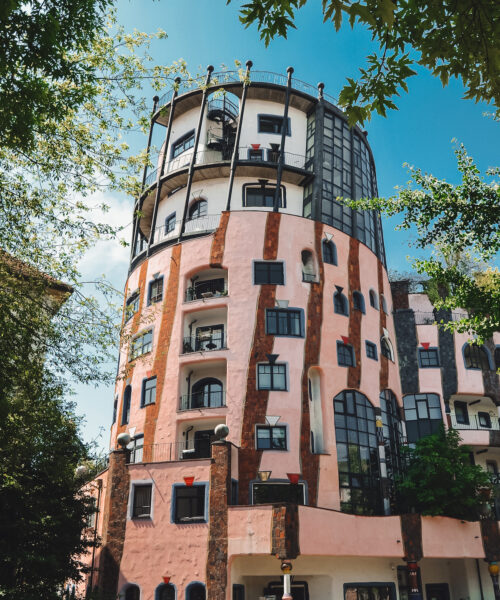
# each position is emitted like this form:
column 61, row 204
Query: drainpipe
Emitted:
column 235, row 156
column 177, row 81
column 195, row 149
column 284, row 128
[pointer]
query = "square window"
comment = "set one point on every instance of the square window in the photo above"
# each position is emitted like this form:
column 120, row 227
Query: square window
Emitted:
column 262, row 195
column 371, row 350
column 148, row 391
column 155, row 292
column 345, row 355
column 284, row 321
column 271, row 438
column 268, row 273
column 271, row 377
column 189, row 504
column 428, row 358
column 272, row 124
column 141, row 500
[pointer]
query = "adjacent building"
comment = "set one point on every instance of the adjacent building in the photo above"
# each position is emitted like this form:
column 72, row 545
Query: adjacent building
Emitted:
column 256, row 299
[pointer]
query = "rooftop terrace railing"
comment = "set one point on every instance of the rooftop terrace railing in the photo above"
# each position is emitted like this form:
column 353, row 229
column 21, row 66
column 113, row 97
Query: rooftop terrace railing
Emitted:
column 475, row 423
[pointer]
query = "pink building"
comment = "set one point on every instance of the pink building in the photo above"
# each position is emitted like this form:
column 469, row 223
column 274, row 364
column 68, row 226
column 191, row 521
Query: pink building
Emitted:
column 258, row 301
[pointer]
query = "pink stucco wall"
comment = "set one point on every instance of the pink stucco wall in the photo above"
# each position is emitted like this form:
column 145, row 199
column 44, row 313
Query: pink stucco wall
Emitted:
column 443, row 537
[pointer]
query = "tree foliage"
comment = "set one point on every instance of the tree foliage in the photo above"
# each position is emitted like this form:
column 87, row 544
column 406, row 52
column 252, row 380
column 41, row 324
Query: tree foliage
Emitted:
column 39, row 78
column 450, row 38
column 462, row 224
column 440, row 479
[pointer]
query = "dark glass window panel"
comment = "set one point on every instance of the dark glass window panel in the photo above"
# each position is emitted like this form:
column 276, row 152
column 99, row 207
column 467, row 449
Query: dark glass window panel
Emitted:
column 345, row 355
column 461, row 413
column 265, row 493
column 165, row 592
column 142, row 501
column 132, row 593
column 367, row 591
column 422, row 414
column 259, row 196
column 127, row 396
column 141, row 344
column 155, row 290
column 210, row 337
column 207, row 393
column 271, row 377
column 269, row 273
column 183, row 144
column 272, row 124
column 329, row 252
column 196, row 591
column 497, row 357
column 476, row 357
column 283, row 321
column 340, row 305
column 385, row 349
column 429, row 358
column 484, row 419
column 371, row 350
column 149, row 391
column 255, row 154
column 271, row 438
column 132, row 306
column 373, row 299
column 358, row 301
column 189, row 503
column 170, row 223
column 198, row 210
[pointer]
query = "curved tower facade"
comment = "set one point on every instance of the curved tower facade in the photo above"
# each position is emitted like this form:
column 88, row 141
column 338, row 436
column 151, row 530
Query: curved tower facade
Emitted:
column 256, row 299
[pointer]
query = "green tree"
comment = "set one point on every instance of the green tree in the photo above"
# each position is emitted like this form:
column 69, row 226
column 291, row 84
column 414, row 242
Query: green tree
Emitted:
column 39, row 78
column 440, row 479
column 462, row 224
column 450, row 38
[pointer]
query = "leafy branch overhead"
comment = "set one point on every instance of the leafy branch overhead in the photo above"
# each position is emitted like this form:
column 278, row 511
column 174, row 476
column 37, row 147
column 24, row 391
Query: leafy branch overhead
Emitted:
column 450, row 38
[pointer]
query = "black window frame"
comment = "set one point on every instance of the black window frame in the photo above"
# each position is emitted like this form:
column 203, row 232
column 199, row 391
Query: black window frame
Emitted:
column 136, row 448
column 266, row 187
column 165, row 591
column 464, row 416
column 207, row 392
column 198, row 492
column 428, row 358
column 276, row 126
column 423, row 415
column 486, row 416
column 290, row 314
column 140, row 338
column 135, row 508
column 283, row 371
column 476, row 357
column 148, row 390
column 153, row 299
column 255, row 154
column 341, row 349
column 194, row 208
column 126, row 404
column 268, row 268
column 340, row 304
column 180, row 143
column 371, row 350
column 330, row 256
column 132, row 305
column 386, row 348
column 115, row 409
column 271, row 429
column 170, row 223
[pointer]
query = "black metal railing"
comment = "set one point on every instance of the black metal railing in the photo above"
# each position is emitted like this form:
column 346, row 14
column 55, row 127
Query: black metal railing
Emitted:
column 212, row 288
column 205, row 224
column 223, row 106
column 212, row 399
column 204, row 343
column 429, row 318
column 159, row 452
column 477, row 423
column 268, row 155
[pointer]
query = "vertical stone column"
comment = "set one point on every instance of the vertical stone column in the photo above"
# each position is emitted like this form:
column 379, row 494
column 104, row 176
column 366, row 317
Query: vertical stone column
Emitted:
column 219, row 499
column 115, row 520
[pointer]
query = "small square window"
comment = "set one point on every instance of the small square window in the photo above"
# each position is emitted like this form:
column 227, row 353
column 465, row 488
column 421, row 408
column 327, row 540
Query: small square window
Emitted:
column 272, row 124
column 148, row 391
column 271, row 377
column 428, row 358
column 155, row 292
column 268, row 273
column 189, row 504
column 141, row 501
column 484, row 419
column 256, row 154
column 271, row 438
column 345, row 355
column 371, row 350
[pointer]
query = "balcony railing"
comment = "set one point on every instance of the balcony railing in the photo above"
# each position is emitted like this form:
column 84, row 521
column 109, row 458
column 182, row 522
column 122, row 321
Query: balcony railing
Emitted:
column 224, row 106
column 475, row 423
column 214, row 399
column 205, row 224
column 161, row 452
column 222, row 77
column 204, row 343
column 206, row 289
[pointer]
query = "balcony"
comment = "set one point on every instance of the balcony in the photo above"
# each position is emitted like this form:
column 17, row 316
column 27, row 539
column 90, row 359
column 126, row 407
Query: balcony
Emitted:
column 476, row 422
column 204, row 342
column 211, row 398
column 205, row 289
column 166, row 452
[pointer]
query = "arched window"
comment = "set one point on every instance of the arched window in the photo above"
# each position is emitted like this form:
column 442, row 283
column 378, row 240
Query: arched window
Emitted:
column 357, row 454
column 165, row 591
column 132, row 592
column 197, row 210
column 476, row 357
column 340, row 305
column 329, row 252
column 207, row 393
column 358, row 302
column 384, row 304
column 127, row 396
column 373, row 299
column 386, row 348
column 308, row 272
column 195, row 591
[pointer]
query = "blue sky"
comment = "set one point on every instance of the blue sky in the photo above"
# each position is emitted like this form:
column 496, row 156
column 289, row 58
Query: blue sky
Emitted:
column 420, row 133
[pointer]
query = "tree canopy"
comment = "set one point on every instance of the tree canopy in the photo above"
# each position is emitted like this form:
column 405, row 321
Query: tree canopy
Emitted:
column 440, row 479
column 449, row 38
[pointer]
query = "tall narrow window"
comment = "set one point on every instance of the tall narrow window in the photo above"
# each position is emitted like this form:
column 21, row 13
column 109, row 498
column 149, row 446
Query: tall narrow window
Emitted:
column 329, row 252
column 127, row 396
column 115, row 408
column 308, row 271
column 170, row 223
column 340, row 304
column 141, row 502
column 373, row 299
column 155, row 291
column 461, row 413
column 195, row 591
column 148, row 395
column 384, row 304
column 358, row 302
column 136, row 448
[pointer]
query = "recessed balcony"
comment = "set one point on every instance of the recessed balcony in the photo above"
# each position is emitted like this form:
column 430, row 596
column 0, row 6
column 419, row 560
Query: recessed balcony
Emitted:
column 205, row 330
column 206, row 285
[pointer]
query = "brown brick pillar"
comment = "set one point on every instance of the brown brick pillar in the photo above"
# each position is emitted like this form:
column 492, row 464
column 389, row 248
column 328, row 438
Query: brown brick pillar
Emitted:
column 115, row 518
column 219, row 498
